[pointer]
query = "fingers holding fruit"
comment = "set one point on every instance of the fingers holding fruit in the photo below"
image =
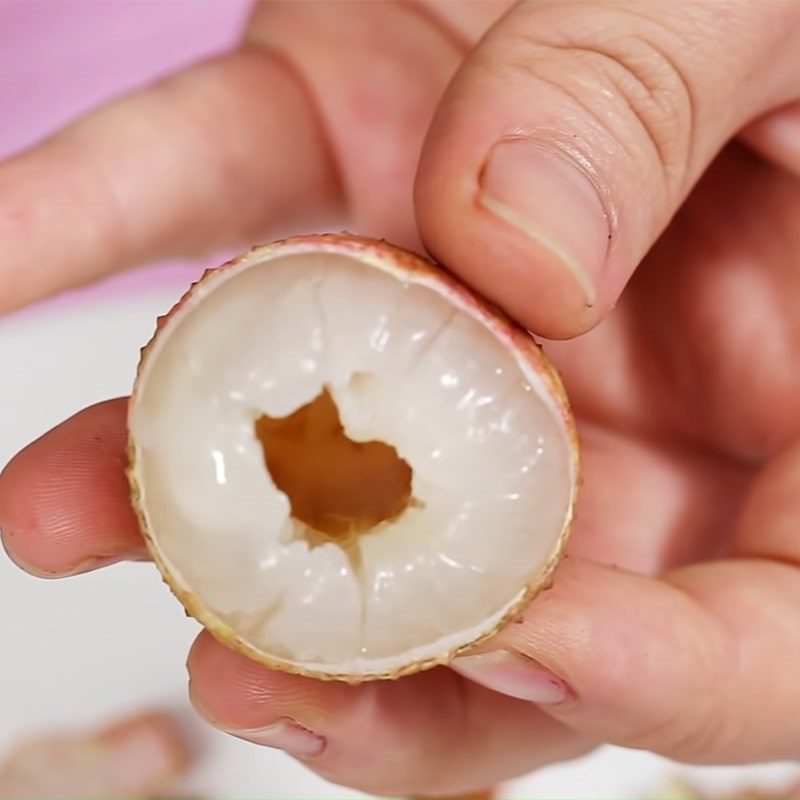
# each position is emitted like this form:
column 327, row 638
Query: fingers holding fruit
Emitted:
column 347, row 465
column 64, row 500
column 429, row 734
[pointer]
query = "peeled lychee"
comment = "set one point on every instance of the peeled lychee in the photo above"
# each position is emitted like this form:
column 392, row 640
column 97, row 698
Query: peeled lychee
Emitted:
column 345, row 464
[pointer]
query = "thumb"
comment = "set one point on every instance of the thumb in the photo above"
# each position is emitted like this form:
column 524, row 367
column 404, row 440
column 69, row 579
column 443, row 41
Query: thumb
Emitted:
column 574, row 131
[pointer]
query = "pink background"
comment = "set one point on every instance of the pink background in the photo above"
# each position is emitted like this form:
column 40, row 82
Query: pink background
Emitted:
column 59, row 58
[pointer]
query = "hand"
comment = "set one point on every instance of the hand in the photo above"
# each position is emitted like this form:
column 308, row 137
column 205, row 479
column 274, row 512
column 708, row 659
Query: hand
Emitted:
column 570, row 136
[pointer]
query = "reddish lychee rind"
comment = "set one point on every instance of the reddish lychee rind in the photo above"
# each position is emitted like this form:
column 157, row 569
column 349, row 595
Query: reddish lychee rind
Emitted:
column 412, row 268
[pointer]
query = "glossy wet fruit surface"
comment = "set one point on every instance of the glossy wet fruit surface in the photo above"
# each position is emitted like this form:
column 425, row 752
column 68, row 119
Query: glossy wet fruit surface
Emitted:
column 345, row 464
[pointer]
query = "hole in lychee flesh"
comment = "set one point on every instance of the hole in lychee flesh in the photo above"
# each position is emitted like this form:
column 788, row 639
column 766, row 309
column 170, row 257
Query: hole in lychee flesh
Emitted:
column 337, row 487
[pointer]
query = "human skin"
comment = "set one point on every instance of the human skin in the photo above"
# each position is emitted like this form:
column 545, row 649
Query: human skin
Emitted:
column 621, row 177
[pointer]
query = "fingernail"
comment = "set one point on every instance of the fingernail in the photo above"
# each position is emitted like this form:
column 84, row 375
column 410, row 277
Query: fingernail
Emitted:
column 551, row 200
column 285, row 735
column 513, row 675
column 96, row 562
column 99, row 562
column 92, row 564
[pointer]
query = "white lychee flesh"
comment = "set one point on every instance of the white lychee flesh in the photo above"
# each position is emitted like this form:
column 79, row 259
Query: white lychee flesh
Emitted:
column 370, row 545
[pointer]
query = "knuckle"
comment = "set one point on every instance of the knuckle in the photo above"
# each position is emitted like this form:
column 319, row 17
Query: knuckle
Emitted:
column 629, row 87
column 701, row 727
column 692, row 737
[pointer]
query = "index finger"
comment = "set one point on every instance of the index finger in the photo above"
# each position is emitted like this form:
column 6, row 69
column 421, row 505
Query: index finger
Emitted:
column 205, row 159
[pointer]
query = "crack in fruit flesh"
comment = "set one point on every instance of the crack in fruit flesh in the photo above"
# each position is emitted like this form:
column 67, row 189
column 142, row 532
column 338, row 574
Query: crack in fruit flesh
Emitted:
column 338, row 487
